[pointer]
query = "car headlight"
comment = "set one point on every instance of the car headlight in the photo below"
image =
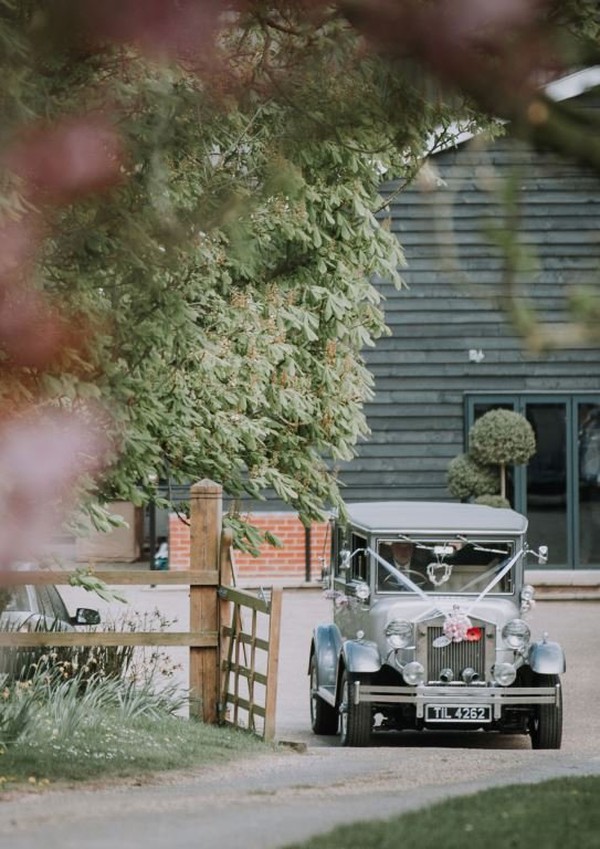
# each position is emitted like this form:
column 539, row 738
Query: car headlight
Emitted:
column 504, row 674
column 413, row 673
column 399, row 634
column 516, row 634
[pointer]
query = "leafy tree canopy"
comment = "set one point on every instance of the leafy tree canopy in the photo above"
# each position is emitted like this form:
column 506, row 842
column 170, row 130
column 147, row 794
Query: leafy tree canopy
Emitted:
column 189, row 217
column 211, row 297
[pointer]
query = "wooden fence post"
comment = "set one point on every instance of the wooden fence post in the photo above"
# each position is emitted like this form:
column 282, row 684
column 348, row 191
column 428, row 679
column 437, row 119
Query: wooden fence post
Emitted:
column 273, row 663
column 206, row 508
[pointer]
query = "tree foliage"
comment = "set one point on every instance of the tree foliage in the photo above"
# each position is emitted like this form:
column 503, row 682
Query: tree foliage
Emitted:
column 189, row 218
column 206, row 273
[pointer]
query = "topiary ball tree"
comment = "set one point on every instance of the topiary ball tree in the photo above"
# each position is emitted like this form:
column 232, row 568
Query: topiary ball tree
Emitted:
column 501, row 438
column 467, row 479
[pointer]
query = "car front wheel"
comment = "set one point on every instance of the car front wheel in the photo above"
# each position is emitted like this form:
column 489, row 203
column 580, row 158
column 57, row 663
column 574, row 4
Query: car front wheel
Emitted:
column 356, row 719
column 546, row 725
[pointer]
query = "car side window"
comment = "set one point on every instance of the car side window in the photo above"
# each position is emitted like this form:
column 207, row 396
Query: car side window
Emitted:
column 339, row 545
column 359, row 565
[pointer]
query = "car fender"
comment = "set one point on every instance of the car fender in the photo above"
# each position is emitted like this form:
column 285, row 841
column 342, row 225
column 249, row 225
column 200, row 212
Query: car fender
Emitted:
column 326, row 648
column 547, row 658
column 361, row 656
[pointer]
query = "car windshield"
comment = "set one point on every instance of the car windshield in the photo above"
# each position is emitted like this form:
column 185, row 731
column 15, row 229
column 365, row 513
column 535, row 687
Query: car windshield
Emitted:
column 459, row 565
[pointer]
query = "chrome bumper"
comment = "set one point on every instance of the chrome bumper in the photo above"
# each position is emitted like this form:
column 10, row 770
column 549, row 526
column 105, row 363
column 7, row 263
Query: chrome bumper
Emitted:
column 496, row 697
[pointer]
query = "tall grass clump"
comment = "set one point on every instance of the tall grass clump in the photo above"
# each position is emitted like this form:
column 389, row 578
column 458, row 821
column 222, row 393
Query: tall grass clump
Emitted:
column 17, row 712
column 140, row 664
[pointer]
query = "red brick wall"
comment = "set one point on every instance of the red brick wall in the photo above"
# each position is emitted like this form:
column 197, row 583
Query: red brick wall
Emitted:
column 286, row 562
column 179, row 543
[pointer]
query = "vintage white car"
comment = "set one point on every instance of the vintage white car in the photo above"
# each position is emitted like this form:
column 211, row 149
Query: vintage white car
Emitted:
column 428, row 627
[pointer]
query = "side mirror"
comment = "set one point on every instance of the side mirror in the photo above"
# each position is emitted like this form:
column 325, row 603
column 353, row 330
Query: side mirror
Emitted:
column 541, row 553
column 85, row 616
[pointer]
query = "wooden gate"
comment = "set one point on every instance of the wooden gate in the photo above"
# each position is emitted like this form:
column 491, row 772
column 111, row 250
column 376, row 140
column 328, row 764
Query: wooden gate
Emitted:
column 250, row 630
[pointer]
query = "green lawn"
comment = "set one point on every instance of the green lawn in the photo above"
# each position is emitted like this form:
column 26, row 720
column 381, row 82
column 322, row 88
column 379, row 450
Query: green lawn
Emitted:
column 120, row 749
column 67, row 722
column 559, row 814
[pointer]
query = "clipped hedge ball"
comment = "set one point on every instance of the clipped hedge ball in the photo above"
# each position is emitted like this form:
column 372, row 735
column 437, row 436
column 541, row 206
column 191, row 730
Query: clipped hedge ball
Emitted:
column 501, row 437
column 467, row 478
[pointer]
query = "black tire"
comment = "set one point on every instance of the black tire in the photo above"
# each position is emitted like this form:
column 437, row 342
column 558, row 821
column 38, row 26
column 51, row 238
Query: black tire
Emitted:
column 356, row 720
column 324, row 718
column 546, row 725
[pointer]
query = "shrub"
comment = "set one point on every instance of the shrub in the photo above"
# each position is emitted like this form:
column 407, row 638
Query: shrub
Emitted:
column 501, row 437
column 498, row 438
column 467, row 479
column 17, row 712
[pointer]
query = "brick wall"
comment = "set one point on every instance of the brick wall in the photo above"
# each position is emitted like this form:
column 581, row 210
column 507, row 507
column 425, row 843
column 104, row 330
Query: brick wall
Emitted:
column 286, row 562
column 179, row 543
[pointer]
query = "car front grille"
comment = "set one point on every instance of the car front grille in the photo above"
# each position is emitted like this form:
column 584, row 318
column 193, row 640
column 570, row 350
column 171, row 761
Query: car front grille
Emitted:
column 455, row 656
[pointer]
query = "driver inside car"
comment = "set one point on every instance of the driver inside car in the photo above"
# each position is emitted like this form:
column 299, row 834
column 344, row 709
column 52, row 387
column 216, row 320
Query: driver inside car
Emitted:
column 407, row 559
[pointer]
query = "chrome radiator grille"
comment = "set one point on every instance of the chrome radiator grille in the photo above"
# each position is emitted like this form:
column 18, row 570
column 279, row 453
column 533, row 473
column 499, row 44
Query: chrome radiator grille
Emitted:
column 455, row 656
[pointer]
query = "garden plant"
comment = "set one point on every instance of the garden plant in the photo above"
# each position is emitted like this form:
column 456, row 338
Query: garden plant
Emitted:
column 105, row 712
column 496, row 440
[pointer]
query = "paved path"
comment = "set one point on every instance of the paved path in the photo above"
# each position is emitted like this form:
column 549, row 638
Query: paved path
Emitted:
column 269, row 802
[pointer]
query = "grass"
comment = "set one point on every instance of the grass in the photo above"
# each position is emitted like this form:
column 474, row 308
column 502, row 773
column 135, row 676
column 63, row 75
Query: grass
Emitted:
column 71, row 722
column 118, row 748
column 560, row 813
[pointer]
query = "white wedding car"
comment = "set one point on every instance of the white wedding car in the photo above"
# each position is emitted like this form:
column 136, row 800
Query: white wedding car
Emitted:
column 442, row 644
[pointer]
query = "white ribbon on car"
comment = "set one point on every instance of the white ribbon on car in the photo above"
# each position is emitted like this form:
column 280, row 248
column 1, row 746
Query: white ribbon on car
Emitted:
column 496, row 579
column 436, row 611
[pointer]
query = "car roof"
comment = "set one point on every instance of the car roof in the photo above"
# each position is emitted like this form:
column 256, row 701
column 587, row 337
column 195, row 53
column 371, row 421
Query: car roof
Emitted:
column 424, row 517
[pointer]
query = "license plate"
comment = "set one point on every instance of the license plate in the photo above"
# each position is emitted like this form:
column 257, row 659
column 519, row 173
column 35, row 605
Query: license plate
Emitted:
column 458, row 713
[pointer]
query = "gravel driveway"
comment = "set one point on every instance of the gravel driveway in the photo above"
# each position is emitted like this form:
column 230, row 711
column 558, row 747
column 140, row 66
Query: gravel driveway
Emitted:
column 271, row 801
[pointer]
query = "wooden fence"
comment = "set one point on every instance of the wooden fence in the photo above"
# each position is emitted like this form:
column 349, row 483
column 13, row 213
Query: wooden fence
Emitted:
column 216, row 638
column 250, row 633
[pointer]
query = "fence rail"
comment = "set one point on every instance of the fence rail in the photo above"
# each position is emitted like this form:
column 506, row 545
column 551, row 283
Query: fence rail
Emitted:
column 51, row 637
column 116, row 577
column 98, row 637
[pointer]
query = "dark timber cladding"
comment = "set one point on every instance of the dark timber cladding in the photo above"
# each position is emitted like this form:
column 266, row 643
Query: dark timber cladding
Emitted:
column 423, row 369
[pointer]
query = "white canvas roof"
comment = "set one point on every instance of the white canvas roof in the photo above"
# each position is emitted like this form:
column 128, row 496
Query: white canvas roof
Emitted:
column 428, row 517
